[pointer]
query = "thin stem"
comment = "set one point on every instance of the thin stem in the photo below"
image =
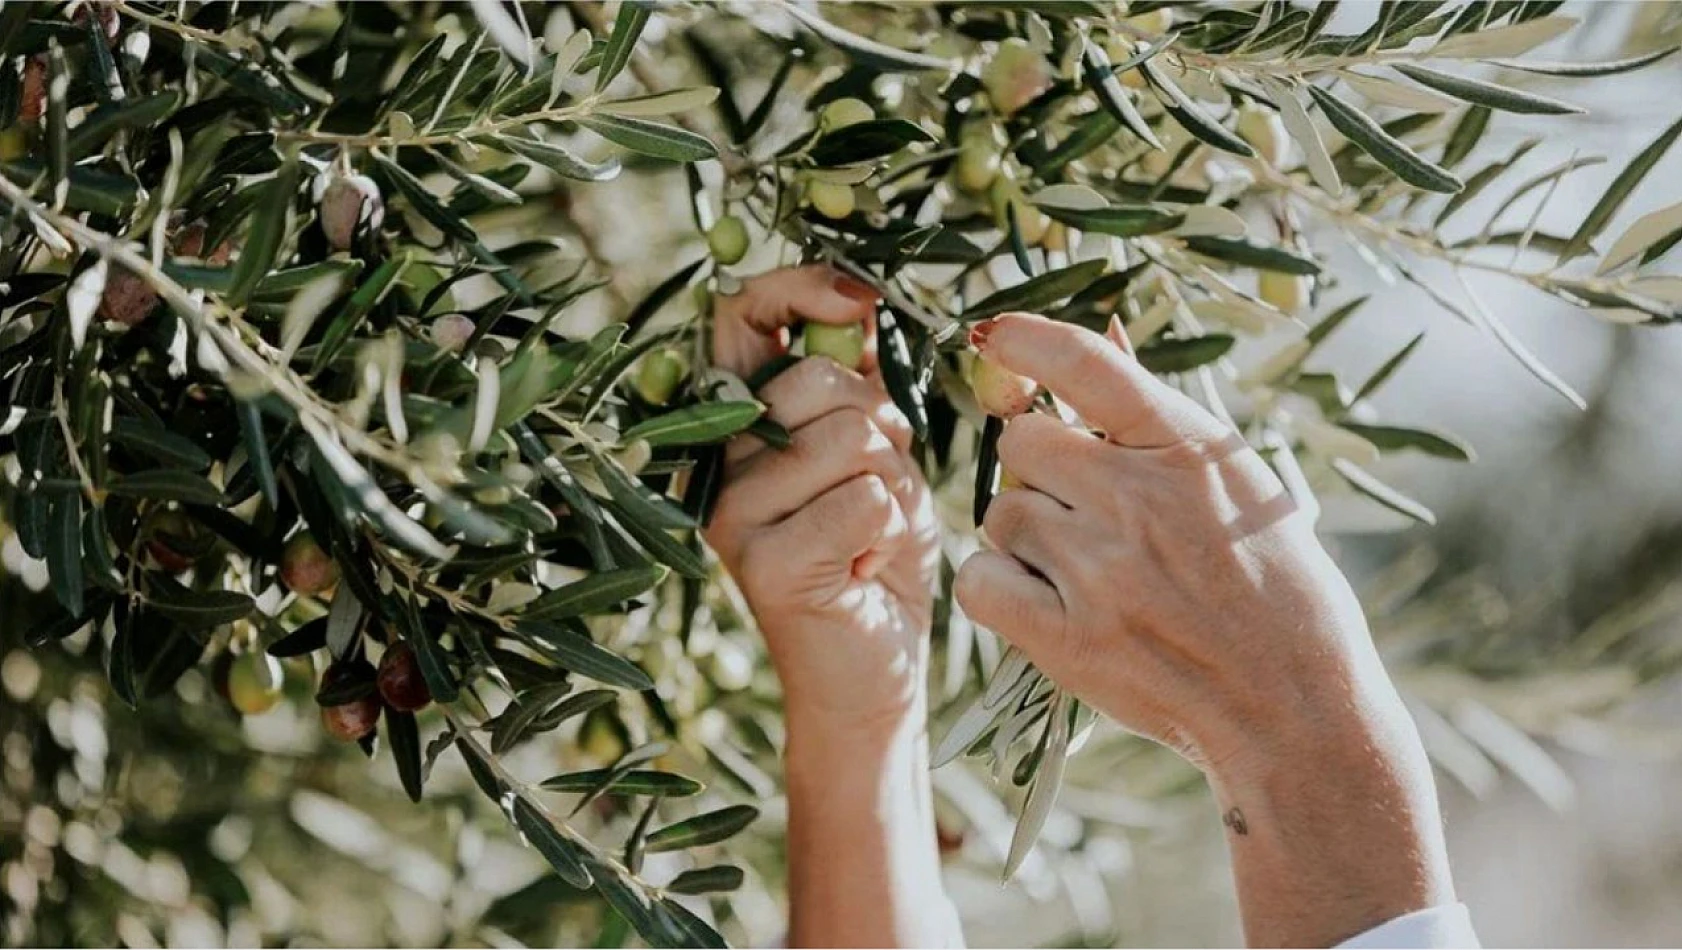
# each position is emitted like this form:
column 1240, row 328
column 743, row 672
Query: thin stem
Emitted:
column 1296, row 66
column 182, row 29
column 583, row 107
column 61, row 413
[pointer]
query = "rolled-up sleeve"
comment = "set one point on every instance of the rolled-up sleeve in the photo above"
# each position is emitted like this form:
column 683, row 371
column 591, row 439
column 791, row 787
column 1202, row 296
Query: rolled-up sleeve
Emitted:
column 1435, row 928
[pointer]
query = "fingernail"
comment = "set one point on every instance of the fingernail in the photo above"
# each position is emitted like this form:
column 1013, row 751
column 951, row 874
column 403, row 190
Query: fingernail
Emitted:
column 979, row 333
column 849, row 286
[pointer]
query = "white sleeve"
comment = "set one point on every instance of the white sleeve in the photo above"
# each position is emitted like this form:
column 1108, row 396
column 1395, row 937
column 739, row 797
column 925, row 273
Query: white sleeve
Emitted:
column 1435, row 928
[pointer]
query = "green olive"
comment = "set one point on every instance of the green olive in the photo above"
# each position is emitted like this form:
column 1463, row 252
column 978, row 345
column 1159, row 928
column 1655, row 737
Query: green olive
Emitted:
column 1015, row 76
column 305, row 568
column 999, row 391
column 833, row 200
column 254, row 682
column 1005, row 196
column 1265, row 132
column 978, row 159
column 660, row 374
column 728, row 239
column 14, row 143
column 844, row 112
column 842, row 343
column 1288, row 292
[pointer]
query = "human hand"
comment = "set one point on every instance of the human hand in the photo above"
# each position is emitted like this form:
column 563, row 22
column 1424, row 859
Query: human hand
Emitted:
column 1158, row 569
column 832, row 540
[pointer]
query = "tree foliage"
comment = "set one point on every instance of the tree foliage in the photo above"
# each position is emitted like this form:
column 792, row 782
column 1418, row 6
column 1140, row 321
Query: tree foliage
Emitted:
column 290, row 369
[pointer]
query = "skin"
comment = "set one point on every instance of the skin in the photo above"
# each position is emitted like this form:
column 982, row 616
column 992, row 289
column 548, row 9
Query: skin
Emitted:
column 1149, row 562
column 834, row 544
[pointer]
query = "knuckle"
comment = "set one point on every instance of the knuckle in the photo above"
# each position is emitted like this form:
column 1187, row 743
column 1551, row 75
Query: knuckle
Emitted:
column 1026, row 436
column 1092, row 568
column 969, row 588
column 1007, row 517
column 867, row 494
column 852, row 428
column 821, row 373
column 893, row 422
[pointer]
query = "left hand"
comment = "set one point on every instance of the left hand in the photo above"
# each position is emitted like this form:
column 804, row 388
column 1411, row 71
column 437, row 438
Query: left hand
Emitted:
column 833, row 539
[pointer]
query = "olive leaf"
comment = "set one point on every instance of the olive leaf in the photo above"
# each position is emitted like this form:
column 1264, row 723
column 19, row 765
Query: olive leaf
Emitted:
column 709, row 828
column 1190, row 115
column 1135, row 221
column 700, row 424
column 541, row 833
column 1478, row 92
column 622, row 42
column 595, row 593
column 1371, row 138
column 651, row 138
column 1396, row 438
column 573, row 649
column 1179, row 355
column 1369, row 485
column 632, row 782
column 708, row 880
column 867, row 51
column 1584, row 70
column 1607, row 207
column 1038, row 292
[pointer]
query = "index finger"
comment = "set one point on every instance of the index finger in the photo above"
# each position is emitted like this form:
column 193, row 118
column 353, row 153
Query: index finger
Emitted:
column 1106, row 386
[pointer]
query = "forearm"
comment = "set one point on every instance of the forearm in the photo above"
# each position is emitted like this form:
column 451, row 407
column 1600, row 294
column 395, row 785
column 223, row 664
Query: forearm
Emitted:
column 1338, row 832
column 864, row 867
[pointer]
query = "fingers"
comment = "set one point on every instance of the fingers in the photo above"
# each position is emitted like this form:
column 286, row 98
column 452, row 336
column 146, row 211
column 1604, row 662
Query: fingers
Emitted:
column 750, row 327
column 1031, row 527
column 1110, row 390
column 824, row 453
column 813, row 292
column 1054, row 457
column 816, row 387
column 857, row 525
column 997, row 592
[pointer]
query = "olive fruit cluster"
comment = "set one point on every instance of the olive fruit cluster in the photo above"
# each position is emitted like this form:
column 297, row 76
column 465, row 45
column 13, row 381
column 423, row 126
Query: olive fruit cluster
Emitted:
column 833, row 199
column 354, row 693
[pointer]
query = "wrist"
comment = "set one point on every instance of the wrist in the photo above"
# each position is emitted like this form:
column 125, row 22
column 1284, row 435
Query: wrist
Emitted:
column 1342, row 713
column 1335, row 815
column 827, row 733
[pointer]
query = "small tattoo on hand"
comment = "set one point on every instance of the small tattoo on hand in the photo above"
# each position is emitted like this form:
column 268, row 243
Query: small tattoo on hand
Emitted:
column 1234, row 819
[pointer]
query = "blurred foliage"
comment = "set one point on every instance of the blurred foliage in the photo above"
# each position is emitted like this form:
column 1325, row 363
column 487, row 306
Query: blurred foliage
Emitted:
column 312, row 351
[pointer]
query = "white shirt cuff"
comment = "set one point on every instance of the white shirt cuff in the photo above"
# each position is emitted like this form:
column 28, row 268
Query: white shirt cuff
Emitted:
column 1435, row 928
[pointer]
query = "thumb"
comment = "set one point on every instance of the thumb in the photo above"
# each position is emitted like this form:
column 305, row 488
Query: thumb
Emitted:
column 999, row 593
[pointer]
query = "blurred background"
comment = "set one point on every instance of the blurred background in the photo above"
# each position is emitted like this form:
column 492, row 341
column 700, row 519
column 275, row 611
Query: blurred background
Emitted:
column 1535, row 631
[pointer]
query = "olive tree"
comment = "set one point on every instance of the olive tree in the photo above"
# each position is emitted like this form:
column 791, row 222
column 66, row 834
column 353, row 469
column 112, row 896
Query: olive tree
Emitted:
column 322, row 389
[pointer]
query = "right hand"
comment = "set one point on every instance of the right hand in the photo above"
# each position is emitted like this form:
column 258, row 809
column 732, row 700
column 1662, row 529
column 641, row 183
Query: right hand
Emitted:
column 1158, row 570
